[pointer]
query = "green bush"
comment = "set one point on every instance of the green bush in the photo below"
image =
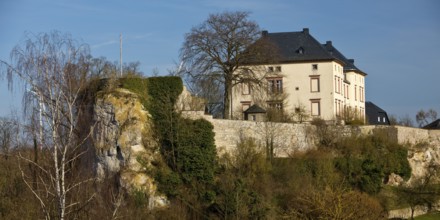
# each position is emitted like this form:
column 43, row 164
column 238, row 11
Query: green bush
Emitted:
column 366, row 161
column 168, row 182
column 196, row 153
column 163, row 93
column 187, row 146
column 137, row 85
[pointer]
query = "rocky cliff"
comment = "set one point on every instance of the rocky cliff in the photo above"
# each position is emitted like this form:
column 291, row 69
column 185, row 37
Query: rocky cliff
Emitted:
column 124, row 144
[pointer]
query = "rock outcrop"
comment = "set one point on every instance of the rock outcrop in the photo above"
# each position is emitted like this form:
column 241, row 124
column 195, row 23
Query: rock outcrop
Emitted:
column 424, row 160
column 124, row 143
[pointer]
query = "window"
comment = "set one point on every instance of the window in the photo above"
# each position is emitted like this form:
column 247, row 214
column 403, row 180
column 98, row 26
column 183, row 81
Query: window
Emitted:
column 275, row 85
column 361, row 93
column 314, row 66
column 338, row 82
column 316, row 107
column 339, row 85
column 278, row 68
column 378, row 118
column 314, row 84
column 270, row 69
column 246, row 89
column 355, row 93
column 346, row 91
column 254, row 117
column 338, row 107
column 276, row 105
column 245, row 106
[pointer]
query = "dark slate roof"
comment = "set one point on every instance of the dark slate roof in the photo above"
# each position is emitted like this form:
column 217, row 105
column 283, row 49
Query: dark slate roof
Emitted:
column 433, row 125
column 255, row 109
column 348, row 63
column 301, row 46
column 290, row 44
column 373, row 111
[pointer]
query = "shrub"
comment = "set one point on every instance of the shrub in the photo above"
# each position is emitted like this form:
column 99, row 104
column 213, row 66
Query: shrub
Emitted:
column 137, row 85
column 366, row 161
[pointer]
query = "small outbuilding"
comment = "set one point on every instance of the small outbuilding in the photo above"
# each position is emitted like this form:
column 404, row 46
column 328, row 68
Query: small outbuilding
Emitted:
column 255, row 113
column 376, row 115
column 433, row 125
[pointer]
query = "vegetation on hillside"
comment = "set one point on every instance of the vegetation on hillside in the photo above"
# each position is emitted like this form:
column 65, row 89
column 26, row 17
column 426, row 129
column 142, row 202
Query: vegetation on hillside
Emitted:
column 342, row 179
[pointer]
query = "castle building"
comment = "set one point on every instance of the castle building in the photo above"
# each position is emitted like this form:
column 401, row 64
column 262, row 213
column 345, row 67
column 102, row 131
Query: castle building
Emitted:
column 308, row 76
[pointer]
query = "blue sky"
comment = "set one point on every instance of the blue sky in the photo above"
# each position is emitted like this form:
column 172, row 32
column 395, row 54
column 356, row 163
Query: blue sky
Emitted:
column 396, row 42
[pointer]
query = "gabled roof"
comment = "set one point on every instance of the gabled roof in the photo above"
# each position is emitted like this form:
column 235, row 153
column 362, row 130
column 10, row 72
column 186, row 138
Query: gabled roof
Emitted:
column 373, row 111
column 433, row 125
column 301, row 46
column 255, row 109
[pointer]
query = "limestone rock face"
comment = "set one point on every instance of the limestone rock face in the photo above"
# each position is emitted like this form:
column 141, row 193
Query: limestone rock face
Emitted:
column 124, row 143
column 423, row 159
column 395, row 180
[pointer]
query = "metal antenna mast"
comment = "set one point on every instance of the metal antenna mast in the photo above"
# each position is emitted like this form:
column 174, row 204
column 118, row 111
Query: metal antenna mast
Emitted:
column 120, row 51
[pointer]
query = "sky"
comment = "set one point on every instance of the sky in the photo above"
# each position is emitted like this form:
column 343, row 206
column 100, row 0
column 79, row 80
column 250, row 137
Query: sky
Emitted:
column 396, row 42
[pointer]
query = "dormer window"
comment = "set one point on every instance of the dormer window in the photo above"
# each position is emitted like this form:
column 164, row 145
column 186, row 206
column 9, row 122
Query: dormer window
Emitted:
column 272, row 69
column 300, row 50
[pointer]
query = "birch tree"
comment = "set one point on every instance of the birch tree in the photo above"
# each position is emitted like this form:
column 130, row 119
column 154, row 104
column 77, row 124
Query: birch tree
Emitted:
column 53, row 69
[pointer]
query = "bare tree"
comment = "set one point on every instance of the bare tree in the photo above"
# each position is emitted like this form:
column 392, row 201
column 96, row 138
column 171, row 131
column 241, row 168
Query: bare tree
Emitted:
column 421, row 192
column 301, row 114
column 102, row 68
column 9, row 129
column 220, row 48
column 406, row 121
column 423, row 118
column 54, row 70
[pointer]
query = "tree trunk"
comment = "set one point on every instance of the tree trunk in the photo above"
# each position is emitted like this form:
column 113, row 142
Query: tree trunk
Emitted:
column 227, row 111
column 412, row 212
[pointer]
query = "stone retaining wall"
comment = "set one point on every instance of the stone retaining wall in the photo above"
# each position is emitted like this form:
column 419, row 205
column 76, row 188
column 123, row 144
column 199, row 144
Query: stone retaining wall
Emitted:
column 290, row 138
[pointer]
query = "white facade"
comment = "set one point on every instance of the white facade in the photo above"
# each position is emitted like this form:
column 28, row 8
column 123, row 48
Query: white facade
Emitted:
column 323, row 89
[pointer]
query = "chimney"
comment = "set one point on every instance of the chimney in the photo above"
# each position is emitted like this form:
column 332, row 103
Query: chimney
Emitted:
column 328, row 43
column 264, row 33
column 351, row 61
column 305, row 30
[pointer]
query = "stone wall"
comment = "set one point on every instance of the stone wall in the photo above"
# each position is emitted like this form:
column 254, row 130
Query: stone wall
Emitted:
column 288, row 138
column 301, row 137
column 405, row 213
